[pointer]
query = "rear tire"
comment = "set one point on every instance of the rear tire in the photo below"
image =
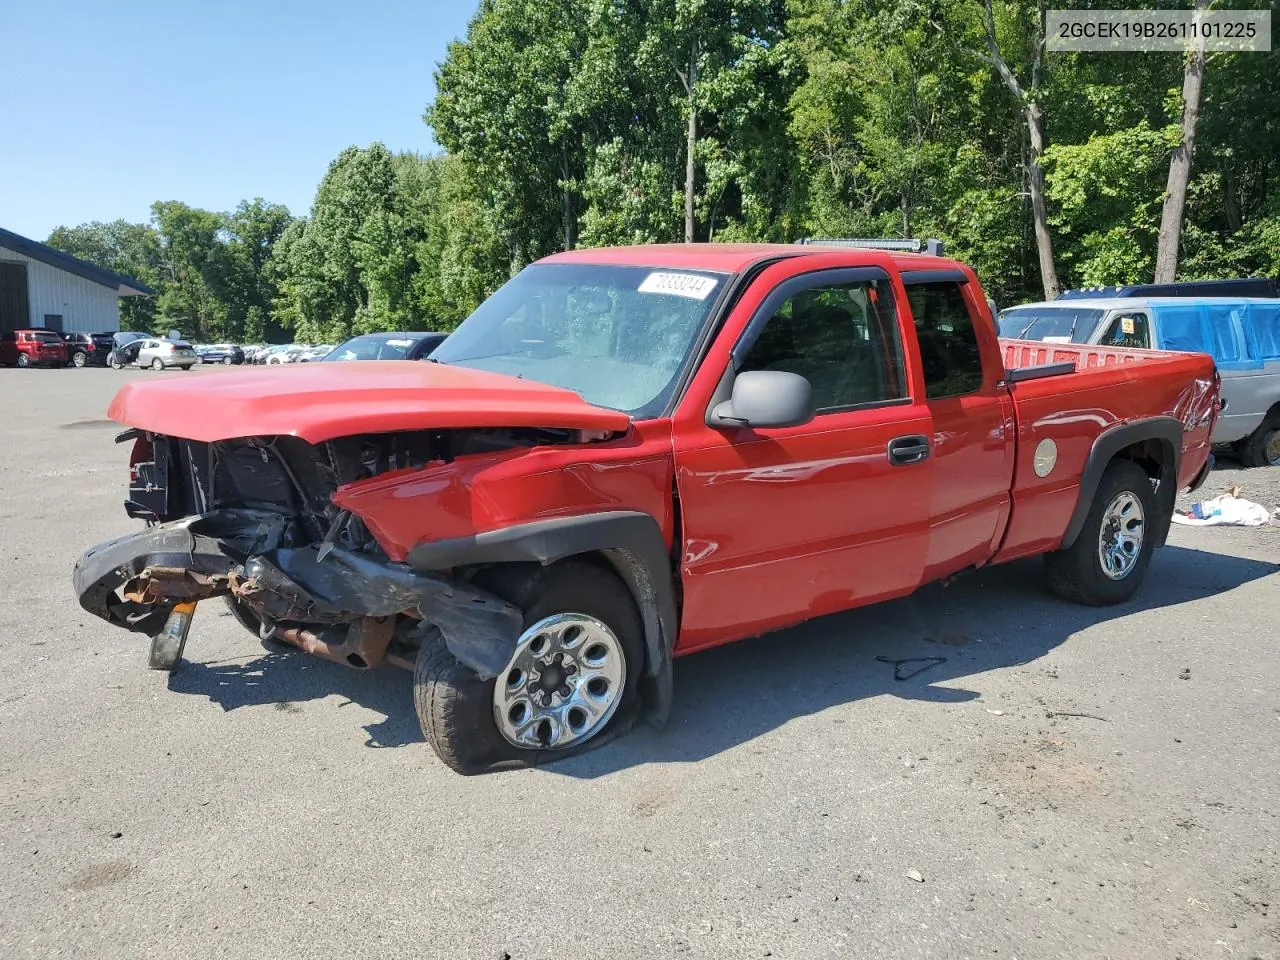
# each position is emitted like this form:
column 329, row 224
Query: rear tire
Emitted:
column 1262, row 447
column 1109, row 559
column 457, row 710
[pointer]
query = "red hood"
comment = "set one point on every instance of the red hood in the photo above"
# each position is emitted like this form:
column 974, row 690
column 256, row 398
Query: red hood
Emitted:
column 321, row 401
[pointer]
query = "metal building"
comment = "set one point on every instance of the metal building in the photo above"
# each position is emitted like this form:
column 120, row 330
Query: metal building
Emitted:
column 44, row 287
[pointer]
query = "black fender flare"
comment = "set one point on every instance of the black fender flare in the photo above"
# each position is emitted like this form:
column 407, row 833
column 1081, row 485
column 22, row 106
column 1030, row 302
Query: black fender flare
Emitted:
column 634, row 546
column 1168, row 432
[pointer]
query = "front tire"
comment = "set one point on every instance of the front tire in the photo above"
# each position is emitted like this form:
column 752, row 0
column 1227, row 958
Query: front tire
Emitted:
column 1109, row 559
column 24, row 361
column 1262, row 447
column 572, row 682
column 77, row 359
column 157, row 364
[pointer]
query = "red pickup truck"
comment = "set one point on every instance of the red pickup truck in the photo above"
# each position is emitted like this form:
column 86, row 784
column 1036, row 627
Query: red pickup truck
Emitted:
column 625, row 455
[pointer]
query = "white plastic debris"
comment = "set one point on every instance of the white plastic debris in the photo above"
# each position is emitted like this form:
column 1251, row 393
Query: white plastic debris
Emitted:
column 1227, row 511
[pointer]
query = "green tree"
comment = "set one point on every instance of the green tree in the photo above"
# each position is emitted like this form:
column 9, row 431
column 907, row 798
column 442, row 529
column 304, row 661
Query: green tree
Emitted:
column 129, row 249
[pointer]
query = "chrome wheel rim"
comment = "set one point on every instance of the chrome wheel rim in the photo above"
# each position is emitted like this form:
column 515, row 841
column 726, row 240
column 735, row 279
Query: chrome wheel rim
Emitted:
column 1272, row 448
column 1120, row 541
column 562, row 684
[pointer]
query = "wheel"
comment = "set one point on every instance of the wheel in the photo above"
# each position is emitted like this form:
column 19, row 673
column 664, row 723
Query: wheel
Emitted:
column 114, row 362
column 1109, row 559
column 226, row 361
column 23, row 360
column 77, row 359
column 1262, row 447
column 574, row 675
column 157, row 364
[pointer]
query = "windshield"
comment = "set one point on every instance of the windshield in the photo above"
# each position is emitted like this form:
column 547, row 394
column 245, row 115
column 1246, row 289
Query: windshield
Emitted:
column 616, row 336
column 373, row 348
column 1057, row 324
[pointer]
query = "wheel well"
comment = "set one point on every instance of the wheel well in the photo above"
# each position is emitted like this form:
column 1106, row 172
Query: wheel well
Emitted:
column 1155, row 457
column 1158, row 459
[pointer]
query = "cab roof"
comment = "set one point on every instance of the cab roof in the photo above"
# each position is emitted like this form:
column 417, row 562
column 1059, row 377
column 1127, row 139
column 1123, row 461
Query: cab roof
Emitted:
column 736, row 257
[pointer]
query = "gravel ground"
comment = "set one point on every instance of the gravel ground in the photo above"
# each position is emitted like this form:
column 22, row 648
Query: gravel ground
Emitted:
column 1068, row 783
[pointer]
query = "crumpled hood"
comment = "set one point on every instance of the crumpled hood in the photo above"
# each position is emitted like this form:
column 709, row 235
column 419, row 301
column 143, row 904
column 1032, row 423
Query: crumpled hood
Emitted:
column 322, row 401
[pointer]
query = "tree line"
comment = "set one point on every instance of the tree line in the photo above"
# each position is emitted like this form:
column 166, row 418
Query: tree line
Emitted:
column 587, row 122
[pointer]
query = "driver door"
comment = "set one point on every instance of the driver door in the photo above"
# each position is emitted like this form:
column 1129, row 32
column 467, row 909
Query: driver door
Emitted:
column 784, row 524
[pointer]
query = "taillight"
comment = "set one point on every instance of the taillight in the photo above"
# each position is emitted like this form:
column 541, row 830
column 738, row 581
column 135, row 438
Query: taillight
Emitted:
column 143, row 452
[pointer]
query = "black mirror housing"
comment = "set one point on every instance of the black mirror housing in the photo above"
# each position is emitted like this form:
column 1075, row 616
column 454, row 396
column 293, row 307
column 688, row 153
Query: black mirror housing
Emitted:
column 766, row 398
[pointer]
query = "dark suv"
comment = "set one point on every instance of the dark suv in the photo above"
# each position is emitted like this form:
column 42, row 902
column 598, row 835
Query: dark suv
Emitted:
column 88, row 349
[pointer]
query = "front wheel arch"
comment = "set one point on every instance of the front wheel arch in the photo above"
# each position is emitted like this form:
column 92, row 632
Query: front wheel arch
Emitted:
column 632, row 546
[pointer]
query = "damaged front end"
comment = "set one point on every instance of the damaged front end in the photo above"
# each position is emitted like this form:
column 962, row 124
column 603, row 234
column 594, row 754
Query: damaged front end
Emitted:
column 252, row 520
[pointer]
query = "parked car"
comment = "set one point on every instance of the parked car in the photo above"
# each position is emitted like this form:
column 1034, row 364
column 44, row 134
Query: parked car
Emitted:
column 387, row 346
column 125, row 348
column 315, row 353
column 281, row 353
column 1241, row 334
column 692, row 445
column 1236, row 287
column 88, row 349
column 224, row 353
column 32, row 348
column 162, row 354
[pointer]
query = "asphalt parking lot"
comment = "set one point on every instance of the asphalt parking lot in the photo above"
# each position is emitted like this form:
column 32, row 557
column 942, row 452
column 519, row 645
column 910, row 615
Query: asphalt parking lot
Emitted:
column 1066, row 782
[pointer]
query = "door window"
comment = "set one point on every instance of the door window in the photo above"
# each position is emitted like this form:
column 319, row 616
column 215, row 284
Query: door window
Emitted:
column 948, row 342
column 1131, row 330
column 842, row 338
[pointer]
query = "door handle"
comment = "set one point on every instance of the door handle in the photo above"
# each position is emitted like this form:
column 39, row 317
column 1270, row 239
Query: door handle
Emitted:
column 906, row 450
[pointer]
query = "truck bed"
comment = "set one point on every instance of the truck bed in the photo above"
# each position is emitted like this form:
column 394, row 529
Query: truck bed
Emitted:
column 1070, row 410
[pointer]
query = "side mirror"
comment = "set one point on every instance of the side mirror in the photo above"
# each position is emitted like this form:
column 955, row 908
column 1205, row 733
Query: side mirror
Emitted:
column 766, row 398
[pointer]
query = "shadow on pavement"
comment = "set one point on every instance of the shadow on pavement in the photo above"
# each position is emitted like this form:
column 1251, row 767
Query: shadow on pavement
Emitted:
column 996, row 618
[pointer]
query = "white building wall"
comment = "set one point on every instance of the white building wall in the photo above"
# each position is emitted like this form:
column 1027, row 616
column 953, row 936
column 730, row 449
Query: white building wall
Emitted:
column 85, row 306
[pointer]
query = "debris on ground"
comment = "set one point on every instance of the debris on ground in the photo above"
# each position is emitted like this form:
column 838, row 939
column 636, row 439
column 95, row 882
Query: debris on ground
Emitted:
column 915, row 875
column 1227, row 510
column 911, row 667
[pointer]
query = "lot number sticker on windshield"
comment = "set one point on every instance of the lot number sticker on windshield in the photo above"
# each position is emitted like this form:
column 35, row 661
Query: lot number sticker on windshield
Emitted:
column 679, row 285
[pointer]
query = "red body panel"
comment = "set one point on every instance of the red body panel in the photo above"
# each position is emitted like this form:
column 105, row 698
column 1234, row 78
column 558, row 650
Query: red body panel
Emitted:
column 486, row 492
column 321, row 401
column 1113, row 386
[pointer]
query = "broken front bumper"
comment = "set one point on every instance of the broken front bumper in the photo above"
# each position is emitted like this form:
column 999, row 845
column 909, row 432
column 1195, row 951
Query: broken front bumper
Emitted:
column 135, row 581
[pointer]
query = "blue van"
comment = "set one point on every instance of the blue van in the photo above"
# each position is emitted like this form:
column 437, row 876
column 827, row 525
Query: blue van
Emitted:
column 1242, row 334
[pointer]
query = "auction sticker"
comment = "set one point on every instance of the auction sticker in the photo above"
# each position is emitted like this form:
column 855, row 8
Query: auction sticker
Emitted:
column 690, row 285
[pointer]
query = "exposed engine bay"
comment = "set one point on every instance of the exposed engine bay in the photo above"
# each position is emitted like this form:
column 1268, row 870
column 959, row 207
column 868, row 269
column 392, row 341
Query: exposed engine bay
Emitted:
column 252, row 520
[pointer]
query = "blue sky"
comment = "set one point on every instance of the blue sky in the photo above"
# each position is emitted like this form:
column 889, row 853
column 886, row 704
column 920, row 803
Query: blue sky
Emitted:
column 111, row 106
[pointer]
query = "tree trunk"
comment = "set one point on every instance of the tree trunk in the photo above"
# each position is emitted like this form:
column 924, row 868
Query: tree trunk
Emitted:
column 566, row 215
column 1040, row 218
column 1231, row 195
column 1175, row 198
column 691, row 143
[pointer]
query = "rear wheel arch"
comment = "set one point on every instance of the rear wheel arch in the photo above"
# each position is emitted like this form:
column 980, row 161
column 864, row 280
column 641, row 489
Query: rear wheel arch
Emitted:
column 1155, row 445
column 628, row 544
